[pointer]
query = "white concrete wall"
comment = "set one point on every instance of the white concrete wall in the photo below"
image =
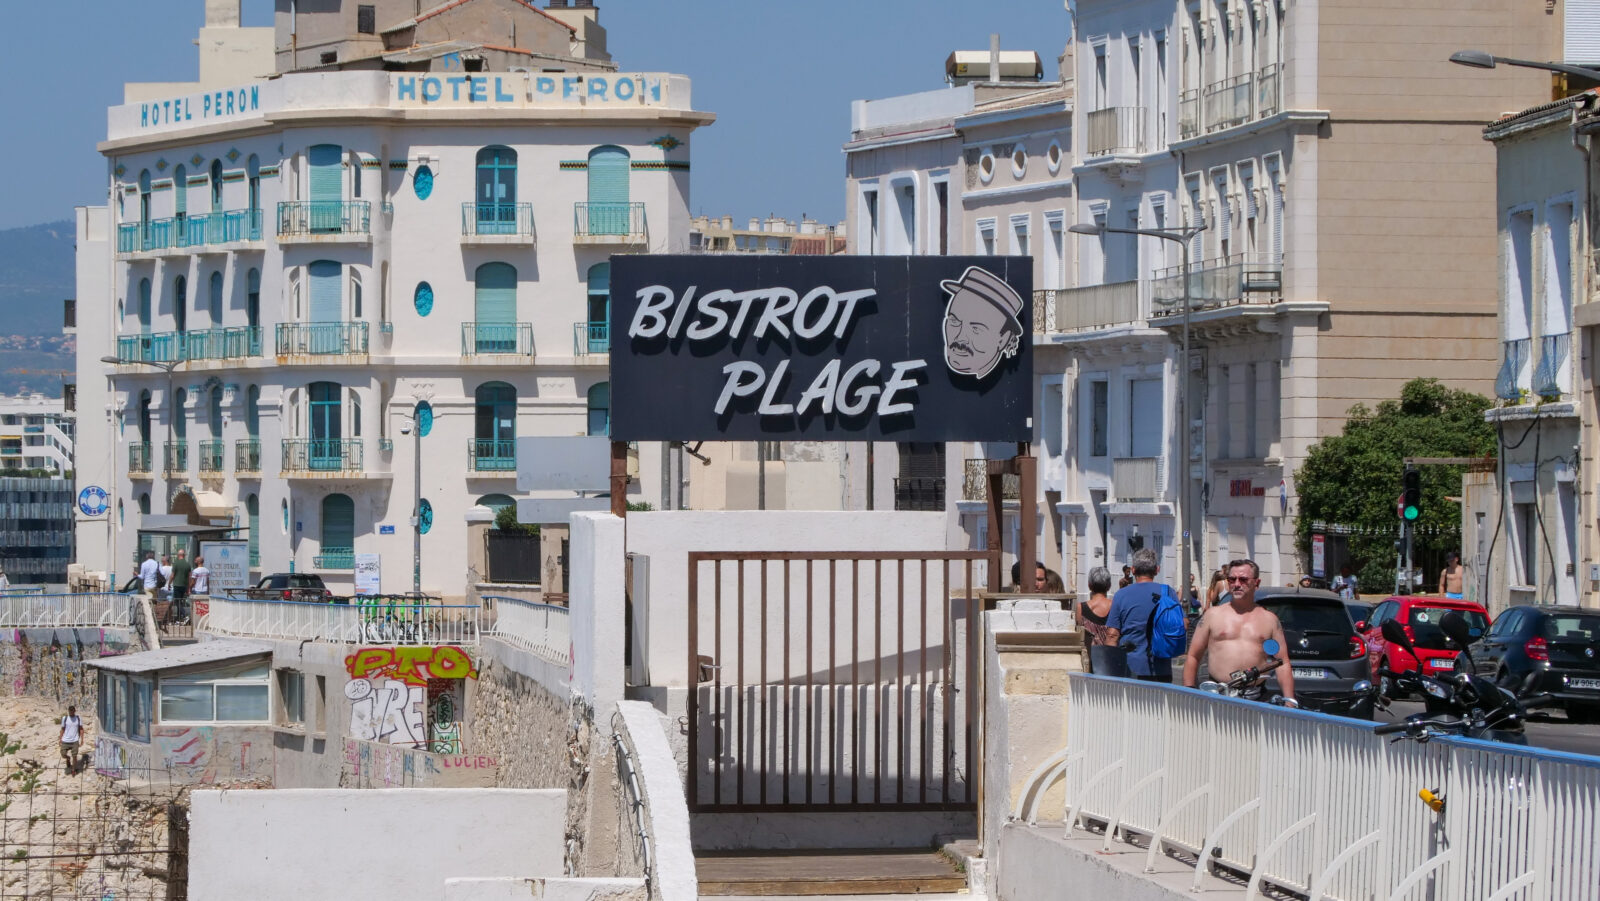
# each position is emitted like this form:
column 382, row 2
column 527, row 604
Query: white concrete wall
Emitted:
column 316, row 844
column 666, row 537
column 94, row 454
column 513, row 889
column 666, row 809
column 597, row 598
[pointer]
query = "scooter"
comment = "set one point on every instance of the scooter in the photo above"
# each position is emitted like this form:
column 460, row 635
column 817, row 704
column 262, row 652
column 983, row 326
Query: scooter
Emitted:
column 1245, row 683
column 1461, row 704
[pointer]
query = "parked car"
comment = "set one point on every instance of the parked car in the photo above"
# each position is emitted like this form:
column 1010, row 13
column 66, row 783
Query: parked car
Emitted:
column 1420, row 615
column 1360, row 612
column 1559, row 644
column 290, row 587
column 1326, row 655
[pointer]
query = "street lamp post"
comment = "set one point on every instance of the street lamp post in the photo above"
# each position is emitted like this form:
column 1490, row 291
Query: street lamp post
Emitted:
column 167, row 367
column 1182, row 236
column 1481, row 59
column 413, row 425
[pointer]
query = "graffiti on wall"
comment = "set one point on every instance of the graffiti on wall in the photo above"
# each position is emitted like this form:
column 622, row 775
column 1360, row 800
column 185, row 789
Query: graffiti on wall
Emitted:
column 372, row 765
column 445, row 737
column 120, row 759
column 48, row 663
column 389, row 711
column 411, row 665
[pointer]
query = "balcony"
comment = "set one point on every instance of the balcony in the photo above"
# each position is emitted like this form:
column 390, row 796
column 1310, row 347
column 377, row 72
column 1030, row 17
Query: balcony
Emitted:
column 1092, row 307
column 175, row 460
column 211, row 455
column 1552, row 378
column 315, row 221
column 1116, row 131
column 975, row 482
column 247, row 455
column 321, row 339
column 497, row 223
column 219, row 228
column 1508, row 384
column 139, row 458
column 151, row 235
column 919, row 494
column 318, row 456
column 1237, row 279
column 335, row 558
column 1227, row 102
column 608, row 223
column 591, row 338
column 484, row 338
column 1267, row 96
column 207, row 344
column 492, row 455
column 1136, row 479
column 1230, row 102
column 1188, row 115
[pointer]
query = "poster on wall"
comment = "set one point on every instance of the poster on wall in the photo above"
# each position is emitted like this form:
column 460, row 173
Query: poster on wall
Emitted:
column 229, row 563
column 1319, row 560
column 762, row 348
column 367, row 575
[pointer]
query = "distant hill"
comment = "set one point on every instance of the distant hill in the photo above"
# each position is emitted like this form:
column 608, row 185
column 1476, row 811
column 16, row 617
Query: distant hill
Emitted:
column 36, row 274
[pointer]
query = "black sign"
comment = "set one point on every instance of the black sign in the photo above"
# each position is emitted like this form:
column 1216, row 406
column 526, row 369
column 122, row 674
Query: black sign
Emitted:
column 761, row 348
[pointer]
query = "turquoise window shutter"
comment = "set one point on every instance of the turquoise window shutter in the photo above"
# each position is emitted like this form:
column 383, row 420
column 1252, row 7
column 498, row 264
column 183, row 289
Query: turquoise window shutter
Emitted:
column 338, row 523
column 326, row 303
column 608, row 191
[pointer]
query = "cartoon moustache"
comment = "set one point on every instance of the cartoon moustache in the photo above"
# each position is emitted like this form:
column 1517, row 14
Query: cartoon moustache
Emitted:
column 961, row 346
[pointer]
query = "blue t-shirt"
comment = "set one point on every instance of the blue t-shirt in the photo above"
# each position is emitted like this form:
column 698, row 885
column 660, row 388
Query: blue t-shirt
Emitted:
column 1131, row 610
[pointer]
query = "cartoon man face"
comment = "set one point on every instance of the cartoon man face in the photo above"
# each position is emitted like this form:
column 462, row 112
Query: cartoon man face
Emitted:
column 980, row 323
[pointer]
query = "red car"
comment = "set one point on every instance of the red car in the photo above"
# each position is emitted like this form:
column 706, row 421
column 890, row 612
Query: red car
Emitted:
column 1420, row 615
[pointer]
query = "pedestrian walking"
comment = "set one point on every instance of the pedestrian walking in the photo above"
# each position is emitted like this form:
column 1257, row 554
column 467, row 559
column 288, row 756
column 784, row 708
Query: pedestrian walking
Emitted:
column 1127, row 577
column 149, row 574
column 165, row 582
column 71, row 738
column 1216, row 590
column 200, row 579
column 1346, row 584
column 1104, row 658
column 4, row 582
column 179, row 580
column 1138, row 622
column 1452, row 577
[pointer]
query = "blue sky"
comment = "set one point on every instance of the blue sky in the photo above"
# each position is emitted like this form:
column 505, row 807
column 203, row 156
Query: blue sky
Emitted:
column 779, row 75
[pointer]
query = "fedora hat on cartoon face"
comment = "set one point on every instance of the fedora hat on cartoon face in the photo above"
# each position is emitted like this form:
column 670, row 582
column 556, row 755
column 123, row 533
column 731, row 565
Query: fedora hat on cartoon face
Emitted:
column 981, row 322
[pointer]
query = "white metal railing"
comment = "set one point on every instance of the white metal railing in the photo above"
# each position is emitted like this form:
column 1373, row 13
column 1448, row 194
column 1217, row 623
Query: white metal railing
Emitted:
column 1136, row 478
column 1097, row 306
column 544, row 629
column 96, row 609
column 1117, row 129
column 379, row 621
column 1320, row 805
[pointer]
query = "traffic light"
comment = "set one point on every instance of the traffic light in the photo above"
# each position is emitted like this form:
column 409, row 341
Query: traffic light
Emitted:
column 1411, row 497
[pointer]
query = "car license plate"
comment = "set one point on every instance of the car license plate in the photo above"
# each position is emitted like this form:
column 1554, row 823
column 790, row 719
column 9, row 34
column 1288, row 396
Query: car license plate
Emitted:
column 1441, row 663
column 1575, row 683
column 1308, row 672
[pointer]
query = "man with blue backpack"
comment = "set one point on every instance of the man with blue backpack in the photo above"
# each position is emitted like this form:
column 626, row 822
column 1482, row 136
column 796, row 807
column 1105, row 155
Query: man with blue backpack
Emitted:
column 1147, row 621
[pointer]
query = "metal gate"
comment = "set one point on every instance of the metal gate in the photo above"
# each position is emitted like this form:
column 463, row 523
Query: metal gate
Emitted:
column 833, row 681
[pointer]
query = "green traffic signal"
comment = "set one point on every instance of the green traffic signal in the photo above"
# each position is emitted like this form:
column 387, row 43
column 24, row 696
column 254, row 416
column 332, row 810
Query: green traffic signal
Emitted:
column 1411, row 513
column 1411, row 498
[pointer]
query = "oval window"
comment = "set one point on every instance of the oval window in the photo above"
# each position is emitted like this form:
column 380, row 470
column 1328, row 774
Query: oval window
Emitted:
column 1019, row 162
column 424, row 298
column 422, row 182
column 424, row 417
column 986, row 166
column 424, row 516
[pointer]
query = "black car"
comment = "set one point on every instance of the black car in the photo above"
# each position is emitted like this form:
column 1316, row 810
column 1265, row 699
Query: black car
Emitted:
column 289, row 587
column 1327, row 655
column 1559, row 644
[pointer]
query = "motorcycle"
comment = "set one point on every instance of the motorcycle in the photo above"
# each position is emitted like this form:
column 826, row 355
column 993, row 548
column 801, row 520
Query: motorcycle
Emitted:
column 1247, row 683
column 1463, row 703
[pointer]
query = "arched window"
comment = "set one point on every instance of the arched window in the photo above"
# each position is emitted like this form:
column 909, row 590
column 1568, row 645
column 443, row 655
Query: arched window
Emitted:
column 609, row 211
column 338, row 532
column 600, row 409
column 252, row 412
column 214, row 412
column 216, row 186
column 496, row 503
column 326, row 189
column 495, row 444
column 252, row 302
column 144, row 305
column 180, row 303
column 355, row 294
column 599, row 308
column 144, row 504
column 214, row 301
column 144, row 416
column 252, row 172
column 497, row 191
column 252, row 509
column 180, row 200
column 325, row 427
column 495, row 308
column 180, row 424
column 144, row 209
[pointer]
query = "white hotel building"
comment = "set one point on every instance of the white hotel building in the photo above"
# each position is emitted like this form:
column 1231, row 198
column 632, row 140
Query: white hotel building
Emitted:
column 412, row 232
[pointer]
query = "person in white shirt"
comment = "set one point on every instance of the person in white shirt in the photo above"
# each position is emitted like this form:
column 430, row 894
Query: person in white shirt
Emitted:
column 71, row 737
column 166, row 575
column 4, row 582
column 200, row 577
column 147, row 573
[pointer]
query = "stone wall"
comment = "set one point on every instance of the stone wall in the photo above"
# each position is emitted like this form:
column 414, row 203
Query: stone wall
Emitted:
column 47, row 663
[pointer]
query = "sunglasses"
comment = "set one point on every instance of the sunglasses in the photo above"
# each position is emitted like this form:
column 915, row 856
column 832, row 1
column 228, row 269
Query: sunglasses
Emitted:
column 1240, row 579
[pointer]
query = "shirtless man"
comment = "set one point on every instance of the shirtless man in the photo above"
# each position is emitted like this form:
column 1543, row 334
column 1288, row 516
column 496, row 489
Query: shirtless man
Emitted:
column 1229, row 635
column 1451, row 577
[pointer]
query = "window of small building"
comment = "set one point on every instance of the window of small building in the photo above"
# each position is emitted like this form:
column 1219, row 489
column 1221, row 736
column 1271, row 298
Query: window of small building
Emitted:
column 366, row 19
column 292, row 689
column 238, row 693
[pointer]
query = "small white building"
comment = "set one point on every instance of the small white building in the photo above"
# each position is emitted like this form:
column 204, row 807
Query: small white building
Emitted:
column 36, row 432
column 338, row 289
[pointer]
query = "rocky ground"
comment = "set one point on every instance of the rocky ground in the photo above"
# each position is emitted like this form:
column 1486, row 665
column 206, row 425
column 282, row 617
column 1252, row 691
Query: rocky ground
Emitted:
column 73, row 835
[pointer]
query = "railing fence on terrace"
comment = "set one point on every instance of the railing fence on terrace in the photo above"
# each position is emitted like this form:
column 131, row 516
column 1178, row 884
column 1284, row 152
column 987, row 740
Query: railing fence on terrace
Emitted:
column 33, row 610
column 1117, row 129
column 544, row 629
column 375, row 621
column 1318, row 805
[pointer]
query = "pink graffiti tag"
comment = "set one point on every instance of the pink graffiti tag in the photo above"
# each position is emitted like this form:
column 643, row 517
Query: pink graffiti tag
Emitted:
column 411, row 665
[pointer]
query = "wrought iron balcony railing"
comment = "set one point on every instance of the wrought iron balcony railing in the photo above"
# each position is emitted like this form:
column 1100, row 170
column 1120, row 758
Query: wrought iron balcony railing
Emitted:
column 609, row 222
column 591, row 338
column 493, row 454
column 321, row 338
column 1553, row 376
column 139, row 457
column 247, row 455
column 479, row 338
column 176, row 458
column 497, row 220
column 211, row 455
column 310, row 218
column 322, row 455
column 1509, row 383
column 335, row 558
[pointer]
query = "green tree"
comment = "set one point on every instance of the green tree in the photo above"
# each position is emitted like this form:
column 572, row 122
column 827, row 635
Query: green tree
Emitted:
column 1354, row 478
column 505, row 519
